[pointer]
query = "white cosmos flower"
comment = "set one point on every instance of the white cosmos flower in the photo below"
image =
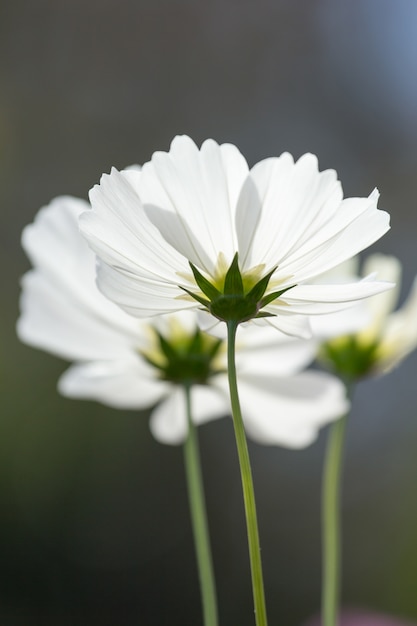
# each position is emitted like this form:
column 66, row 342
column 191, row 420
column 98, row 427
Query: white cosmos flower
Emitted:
column 63, row 312
column 202, row 206
column 385, row 336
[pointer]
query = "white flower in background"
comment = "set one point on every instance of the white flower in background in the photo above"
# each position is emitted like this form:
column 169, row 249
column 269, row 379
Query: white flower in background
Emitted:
column 259, row 236
column 385, row 336
column 129, row 363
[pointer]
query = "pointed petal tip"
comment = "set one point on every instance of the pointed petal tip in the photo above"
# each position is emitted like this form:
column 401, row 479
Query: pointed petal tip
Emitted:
column 311, row 158
column 179, row 140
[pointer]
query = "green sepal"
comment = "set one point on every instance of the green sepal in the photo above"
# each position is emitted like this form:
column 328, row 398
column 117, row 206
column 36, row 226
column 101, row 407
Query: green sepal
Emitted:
column 234, row 308
column 203, row 301
column 259, row 289
column 205, row 285
column 214, row 350
column 196, row 342
column 264, row 314
column 233, row 283
column 273, row 296
column 232, row 304
column 148, row 359
column 166, row 348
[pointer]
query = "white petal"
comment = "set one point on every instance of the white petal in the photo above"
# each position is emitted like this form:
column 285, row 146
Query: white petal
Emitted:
column 400, row 334
column 176, row 324
column 345, row 322
column 319, row 299
column 131, row 168
column 191, row 195
column 139, row 297
column 119, row 231
column 290, row 411
column 62, row 309
column 293, row 216
column 54, row 321
column 248, row 218
column 344, row 272
column 127, row 384
column 169, row 420
column 367, row 315
column 266, row 351
column 47, row 237
column 356, row 225
column 286, row 322
column 296, row 201
column 208, row 404
column 211, row 324
column 386, row 268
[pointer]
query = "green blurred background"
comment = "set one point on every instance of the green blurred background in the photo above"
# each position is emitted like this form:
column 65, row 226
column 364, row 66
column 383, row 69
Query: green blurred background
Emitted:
column 94, row 526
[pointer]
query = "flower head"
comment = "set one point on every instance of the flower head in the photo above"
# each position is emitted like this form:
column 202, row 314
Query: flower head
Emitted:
column 386, row 336
column 129, row 363
column 198, row 228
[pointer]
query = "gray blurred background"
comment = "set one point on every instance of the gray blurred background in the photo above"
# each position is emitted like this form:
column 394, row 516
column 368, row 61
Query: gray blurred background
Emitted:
column 94, row 526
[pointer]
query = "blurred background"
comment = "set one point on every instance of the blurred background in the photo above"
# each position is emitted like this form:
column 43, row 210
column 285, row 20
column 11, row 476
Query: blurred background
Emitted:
column 94, row 526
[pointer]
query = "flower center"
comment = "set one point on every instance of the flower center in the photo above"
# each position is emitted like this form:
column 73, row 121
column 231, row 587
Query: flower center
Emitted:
column 185, row 358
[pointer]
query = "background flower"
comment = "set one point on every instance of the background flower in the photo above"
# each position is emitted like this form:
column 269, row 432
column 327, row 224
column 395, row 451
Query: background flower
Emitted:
column 385, row 337
column 64, row 313
column 202, row 206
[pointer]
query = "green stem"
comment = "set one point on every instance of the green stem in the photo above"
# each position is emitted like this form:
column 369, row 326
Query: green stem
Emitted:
column 331, row 525
column 199, row 519
column 247, row 483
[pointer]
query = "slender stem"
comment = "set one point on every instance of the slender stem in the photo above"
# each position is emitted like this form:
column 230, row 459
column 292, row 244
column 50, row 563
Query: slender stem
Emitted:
column 331, row 525
column 199, row 519
column 247, row 483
